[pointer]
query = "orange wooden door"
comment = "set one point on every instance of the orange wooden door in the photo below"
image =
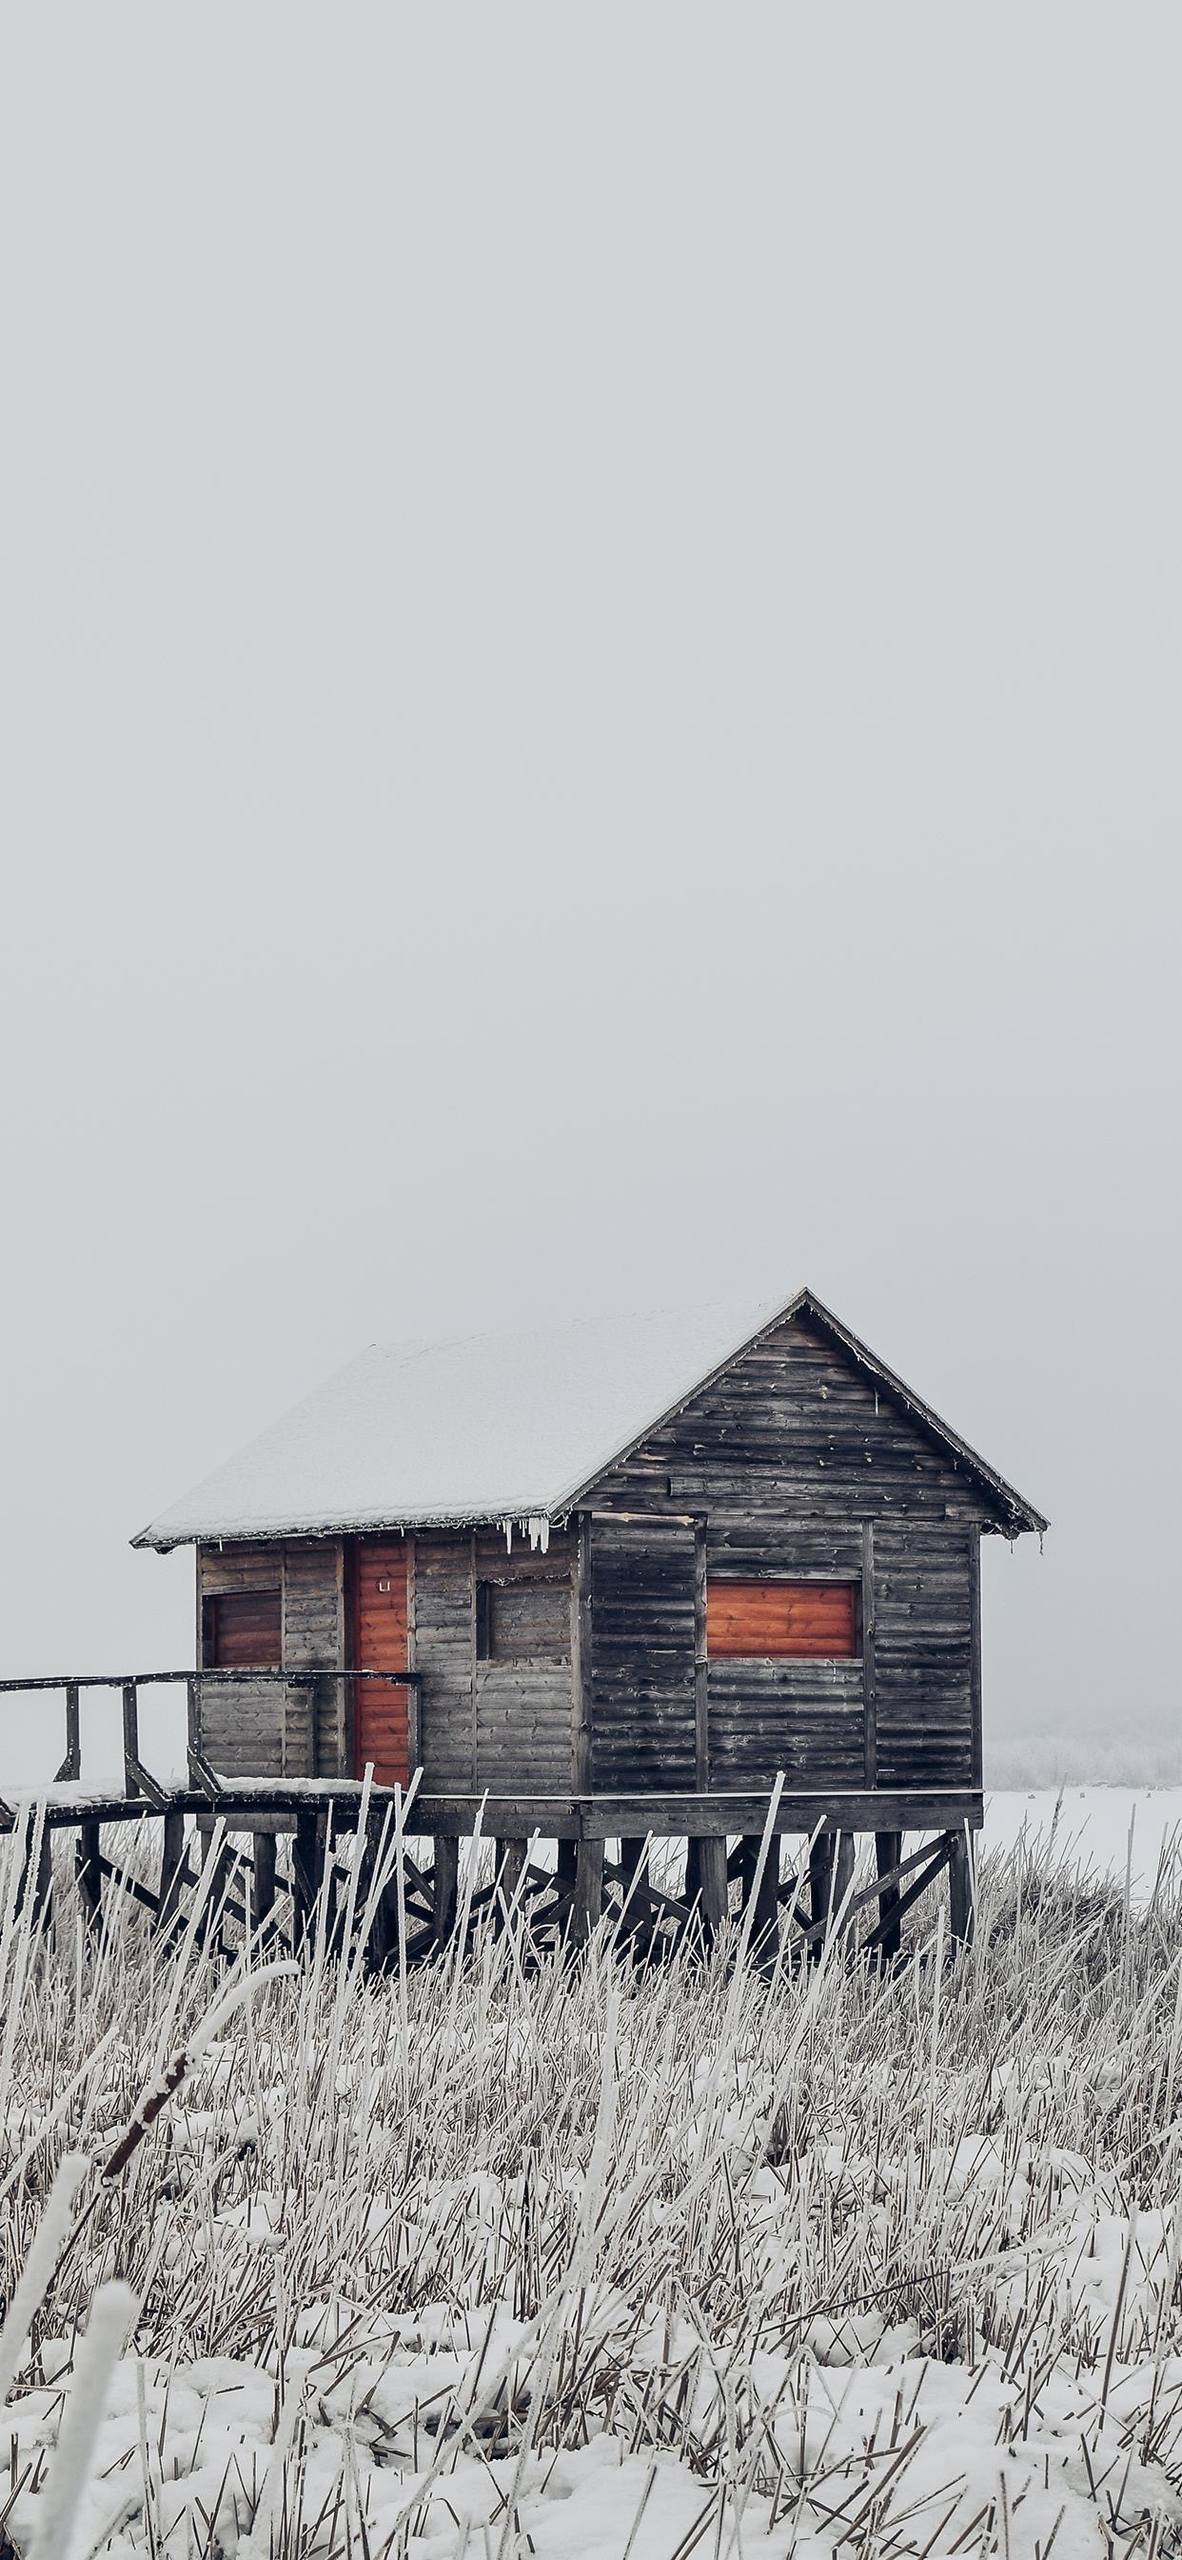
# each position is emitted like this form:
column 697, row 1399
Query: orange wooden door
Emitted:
column 381, row 1731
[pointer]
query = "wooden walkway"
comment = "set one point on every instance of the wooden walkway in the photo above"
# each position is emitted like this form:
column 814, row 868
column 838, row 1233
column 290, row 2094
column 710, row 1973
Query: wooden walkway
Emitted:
column 612, row 1854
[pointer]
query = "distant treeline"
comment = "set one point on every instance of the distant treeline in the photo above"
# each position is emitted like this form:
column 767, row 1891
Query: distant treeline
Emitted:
column 1129, row 1758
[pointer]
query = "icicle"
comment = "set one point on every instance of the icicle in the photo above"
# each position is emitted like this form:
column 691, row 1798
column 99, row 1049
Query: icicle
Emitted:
column 507, row 1526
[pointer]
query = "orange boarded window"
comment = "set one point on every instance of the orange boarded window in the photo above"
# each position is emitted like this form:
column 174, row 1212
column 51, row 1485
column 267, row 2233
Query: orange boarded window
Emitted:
column 773, row 1618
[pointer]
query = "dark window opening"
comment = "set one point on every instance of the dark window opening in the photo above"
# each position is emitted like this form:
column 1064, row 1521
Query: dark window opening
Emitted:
column 523, row 1621
column 242, row 1630
column 811, row 1621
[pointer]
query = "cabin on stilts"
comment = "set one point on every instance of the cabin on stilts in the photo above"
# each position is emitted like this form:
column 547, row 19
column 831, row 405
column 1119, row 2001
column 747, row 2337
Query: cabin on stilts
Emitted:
column 609, row 1583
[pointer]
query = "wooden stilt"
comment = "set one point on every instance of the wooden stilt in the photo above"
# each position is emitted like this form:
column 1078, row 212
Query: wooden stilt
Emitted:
column 820, row 1887
column 712, row 1882
column 222, row 1860
column 888, row 1854
column 961, row 1894
column 36, row 1880
column 88, row 1875
column 748, row 1856
column 634, row 1869
column 510, row 1856
column 843, row 1870
column 447, row 1885
column 693, row 1870
column 765, row 1933
column 588, row 1903
column 565, row 1862
column 172, row 1868
column 306, row 1870
column 262, row 1889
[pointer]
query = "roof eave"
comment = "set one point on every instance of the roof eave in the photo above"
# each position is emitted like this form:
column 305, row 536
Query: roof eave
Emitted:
column 384, row 1524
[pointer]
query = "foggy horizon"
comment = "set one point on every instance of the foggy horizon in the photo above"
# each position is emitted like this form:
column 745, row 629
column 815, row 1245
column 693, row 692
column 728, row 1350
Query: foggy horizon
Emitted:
column 590, row 627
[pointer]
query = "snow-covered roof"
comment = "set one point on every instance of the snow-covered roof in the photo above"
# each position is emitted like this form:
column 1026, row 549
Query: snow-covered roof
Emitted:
column 487, row 1427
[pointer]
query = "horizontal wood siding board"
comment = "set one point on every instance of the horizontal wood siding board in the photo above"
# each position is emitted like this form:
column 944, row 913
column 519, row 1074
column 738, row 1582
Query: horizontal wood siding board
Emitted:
column 795, row 1418
column 242, row 1727
column 923, row 1653
column 238, row 1568
column 805, row 1718
column 642, row 1669
column 524, row 1725
column 445, row 1656
column 313, row 1635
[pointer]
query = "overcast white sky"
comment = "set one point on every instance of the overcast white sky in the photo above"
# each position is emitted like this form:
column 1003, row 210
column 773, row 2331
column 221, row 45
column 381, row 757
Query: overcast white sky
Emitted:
column 589, row 615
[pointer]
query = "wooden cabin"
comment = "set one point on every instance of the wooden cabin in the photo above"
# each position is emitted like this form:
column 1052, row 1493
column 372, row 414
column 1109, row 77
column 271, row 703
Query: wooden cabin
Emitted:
column 617, row 1577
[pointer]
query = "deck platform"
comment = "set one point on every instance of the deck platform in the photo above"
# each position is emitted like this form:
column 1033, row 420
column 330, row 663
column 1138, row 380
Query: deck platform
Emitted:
column 733, row 1845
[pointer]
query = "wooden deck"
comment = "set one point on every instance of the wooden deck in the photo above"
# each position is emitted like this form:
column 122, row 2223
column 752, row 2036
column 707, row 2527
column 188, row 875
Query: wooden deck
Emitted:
column 732, row 1839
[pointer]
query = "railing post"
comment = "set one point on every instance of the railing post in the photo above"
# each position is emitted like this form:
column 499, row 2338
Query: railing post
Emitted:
column 131, row 1739
column 72, row 1764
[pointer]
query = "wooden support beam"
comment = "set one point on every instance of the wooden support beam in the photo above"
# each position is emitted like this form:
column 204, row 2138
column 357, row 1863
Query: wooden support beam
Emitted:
column 262, row 1887
column 820, row 1888
column 172, row 1867
column 765, row 1931
column 693, row 1871
column 634, row 1878
column 35, row 1887
column 888, row 1852
column 843, row 1873
column 588, row 1902
column 712, row 1883
column 88, row 1875
column 961, row 1889
column 565, row 1863
column 220, row 1861
column 510, row 1868
column 939, row 1859
column 307, row 1868
column 447, row 1886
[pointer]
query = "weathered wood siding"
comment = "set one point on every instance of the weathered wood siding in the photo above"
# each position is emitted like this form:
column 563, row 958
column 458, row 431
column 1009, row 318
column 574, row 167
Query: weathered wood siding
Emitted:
column 445, row 1656
column 240, row 1726
column 505, row 1725
column 805, row 1718
column 313, row 1633
column 291, row 1729
column 786, row 1460
column 524, row 1708
column 924, row 1597
column 643, row 1615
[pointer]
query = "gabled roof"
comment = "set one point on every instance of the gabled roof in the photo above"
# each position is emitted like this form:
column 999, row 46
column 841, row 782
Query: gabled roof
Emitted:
column 505, row 1427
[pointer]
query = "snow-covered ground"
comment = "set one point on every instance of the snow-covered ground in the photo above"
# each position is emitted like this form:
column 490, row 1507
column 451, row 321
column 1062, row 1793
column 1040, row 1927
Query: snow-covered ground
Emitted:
column 581, row 2262
column 1109, row 1830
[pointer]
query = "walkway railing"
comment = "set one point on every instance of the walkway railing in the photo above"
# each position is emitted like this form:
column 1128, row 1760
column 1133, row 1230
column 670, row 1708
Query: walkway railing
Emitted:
column 138, row 1781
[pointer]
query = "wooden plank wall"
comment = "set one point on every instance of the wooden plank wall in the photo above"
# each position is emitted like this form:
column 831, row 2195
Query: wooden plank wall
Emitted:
column 924, row 1654
column 241, row 1725
column 644, row 1608
column 314, row 1632
column 278, row 1729
column 787, row 1460
column 445, row 1654
column 524, row 1710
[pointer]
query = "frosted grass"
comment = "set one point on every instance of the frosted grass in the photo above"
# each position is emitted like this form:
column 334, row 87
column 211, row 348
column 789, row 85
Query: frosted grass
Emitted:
column 497, row 2260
